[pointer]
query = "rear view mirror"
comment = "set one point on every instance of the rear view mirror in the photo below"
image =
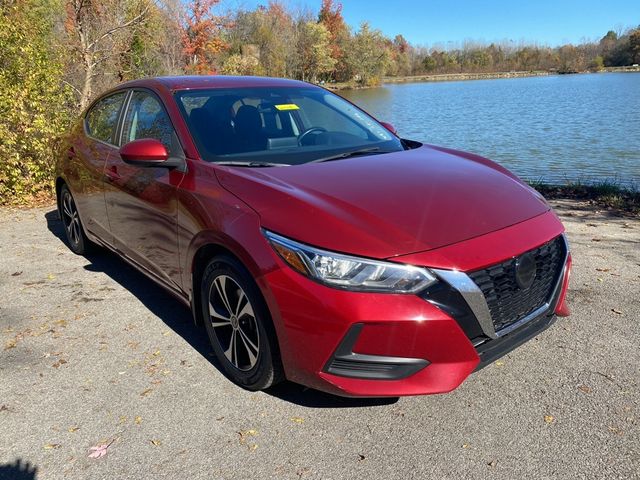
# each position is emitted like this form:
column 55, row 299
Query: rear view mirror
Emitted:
column 146, row 152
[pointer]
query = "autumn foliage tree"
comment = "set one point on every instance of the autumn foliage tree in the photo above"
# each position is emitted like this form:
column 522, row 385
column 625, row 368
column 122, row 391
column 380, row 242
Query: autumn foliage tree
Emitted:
column 98, row 34
column 201, row 36
column 34, row 103
column 331, row 17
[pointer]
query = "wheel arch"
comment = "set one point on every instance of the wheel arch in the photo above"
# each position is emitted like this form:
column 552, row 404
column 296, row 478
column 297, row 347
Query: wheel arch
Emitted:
column 199, row 261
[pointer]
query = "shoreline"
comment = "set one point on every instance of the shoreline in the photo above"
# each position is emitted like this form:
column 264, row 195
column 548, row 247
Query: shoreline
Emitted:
column 610, row 195
column 457, row 77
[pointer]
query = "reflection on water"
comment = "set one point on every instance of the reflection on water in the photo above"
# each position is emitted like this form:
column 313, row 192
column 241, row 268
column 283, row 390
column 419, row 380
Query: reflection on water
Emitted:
column 556, row 128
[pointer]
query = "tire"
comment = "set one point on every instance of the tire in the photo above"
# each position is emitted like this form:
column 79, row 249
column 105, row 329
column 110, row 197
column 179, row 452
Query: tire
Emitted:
column 239, row 325
column 74, row 231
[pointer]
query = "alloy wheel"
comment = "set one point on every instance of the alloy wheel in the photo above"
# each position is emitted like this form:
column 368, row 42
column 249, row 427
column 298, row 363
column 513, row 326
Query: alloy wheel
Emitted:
column 234, row 323
column 71, row 219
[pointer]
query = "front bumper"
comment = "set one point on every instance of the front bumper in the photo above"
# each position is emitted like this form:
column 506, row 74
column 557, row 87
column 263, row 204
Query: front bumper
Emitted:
column 365, row 344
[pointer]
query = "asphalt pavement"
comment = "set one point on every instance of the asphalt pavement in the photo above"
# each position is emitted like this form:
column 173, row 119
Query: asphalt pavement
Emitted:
column 97, row 360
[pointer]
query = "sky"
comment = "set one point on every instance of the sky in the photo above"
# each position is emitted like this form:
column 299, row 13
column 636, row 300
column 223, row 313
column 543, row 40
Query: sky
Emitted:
column 429, row 22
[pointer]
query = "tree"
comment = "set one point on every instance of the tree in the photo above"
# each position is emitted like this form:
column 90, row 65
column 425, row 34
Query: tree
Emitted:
column 99, row 33
column 368, row 56
column 34, row 103
column 331, row 17
column 313, row 50
column 634, row 46
column 597, row 64
column 242, row 65
column 201, row 36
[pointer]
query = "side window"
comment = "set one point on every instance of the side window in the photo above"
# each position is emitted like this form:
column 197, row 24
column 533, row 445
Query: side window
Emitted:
column 102, row 119
column 146, row 118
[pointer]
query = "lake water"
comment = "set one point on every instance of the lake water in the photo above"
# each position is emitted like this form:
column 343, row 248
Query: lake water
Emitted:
column 556, row 128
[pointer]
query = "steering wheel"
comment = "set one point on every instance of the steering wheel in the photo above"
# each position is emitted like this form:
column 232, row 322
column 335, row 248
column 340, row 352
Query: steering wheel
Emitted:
column 308, row 131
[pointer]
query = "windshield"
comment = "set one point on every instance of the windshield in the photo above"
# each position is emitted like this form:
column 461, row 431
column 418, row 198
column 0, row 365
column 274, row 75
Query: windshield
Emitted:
column 280, row 126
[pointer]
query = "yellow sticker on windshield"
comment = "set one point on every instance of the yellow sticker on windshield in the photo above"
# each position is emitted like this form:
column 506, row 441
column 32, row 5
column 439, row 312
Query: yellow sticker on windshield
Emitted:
column 287, row 106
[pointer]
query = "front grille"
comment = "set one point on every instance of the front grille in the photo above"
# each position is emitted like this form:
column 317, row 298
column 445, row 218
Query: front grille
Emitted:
column 508, row 303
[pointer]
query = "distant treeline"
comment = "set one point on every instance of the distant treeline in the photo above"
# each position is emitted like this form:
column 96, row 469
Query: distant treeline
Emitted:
column 56, row 55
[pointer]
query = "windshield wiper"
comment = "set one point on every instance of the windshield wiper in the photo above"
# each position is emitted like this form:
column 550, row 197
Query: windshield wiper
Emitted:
column 252, row 164
column 352, row 153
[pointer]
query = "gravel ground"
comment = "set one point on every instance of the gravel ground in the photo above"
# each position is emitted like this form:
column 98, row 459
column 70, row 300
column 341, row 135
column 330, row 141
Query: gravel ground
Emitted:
column 91, row 352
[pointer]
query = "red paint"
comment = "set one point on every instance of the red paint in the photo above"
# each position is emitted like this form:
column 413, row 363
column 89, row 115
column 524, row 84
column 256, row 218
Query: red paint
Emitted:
column 429, row 206
column 145, row 149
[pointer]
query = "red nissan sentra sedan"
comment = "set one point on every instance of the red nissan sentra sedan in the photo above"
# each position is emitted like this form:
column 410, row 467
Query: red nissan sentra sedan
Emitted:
column 312, row 242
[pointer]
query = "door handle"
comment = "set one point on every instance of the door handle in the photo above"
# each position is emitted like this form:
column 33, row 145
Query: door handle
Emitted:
column 112, row 174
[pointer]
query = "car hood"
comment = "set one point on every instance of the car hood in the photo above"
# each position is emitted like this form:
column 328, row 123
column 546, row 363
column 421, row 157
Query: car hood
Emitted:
column 385, row 205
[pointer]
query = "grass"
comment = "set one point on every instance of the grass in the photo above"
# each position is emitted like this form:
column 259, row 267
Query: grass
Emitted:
column 606, row 193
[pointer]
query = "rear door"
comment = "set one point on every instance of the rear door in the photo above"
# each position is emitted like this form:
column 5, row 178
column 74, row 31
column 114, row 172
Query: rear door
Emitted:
column 141, row 201
column 91, row 149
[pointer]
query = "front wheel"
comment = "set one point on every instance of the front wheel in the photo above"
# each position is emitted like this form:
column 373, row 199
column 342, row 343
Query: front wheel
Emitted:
column 239, row 326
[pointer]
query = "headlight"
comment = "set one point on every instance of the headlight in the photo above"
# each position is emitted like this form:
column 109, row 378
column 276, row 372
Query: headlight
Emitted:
column 350, row 273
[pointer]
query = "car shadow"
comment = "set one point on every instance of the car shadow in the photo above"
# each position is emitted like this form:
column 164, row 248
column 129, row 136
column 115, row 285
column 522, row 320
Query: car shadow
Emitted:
column 178, row 317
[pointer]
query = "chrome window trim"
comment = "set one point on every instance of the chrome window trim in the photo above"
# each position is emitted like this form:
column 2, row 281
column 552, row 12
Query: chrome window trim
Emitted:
column 478, row 303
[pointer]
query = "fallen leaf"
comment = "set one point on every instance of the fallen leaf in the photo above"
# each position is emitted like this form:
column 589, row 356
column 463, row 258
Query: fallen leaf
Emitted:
column 584, row 388
column 492, row 463
column 138, row 420
column 596, row 239
column 219, row 418
column 4, row 408
column 252, row 447
column 465, row 445
column 548, row 419
column 61, row 323
column 361, row 457
column 601, row 280
column 73, row 429
column 156, row 353
column 602, row 269
column 99, row 450
column 10, row 344
column 616, row 311
column 51, row 276
column 157, row 443
column 15, row 274
column 52, row 446
column 246, row 433
column 60, row 362
column 297, row 419
column 500, row 363
column 146, row 392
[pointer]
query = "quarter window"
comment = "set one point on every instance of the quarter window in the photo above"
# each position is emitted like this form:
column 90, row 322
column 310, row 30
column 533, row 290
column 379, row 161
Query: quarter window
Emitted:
column 102, row 118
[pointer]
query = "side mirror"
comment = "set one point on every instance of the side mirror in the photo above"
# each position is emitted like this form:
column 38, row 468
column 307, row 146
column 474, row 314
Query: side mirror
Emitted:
column 146, row 152
column 389, row 127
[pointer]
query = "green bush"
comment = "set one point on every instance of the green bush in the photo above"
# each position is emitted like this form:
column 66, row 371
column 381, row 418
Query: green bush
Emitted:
column 34, row 108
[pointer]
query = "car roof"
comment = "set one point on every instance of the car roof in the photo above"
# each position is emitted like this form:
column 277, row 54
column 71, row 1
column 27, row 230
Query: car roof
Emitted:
column 188, row 82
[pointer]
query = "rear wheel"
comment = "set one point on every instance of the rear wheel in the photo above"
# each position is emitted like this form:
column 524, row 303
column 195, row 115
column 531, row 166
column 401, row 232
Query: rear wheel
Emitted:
column 74, row 232
column 239, row 326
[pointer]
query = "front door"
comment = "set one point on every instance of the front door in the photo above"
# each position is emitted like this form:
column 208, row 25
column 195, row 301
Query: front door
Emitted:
column 142, row 201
